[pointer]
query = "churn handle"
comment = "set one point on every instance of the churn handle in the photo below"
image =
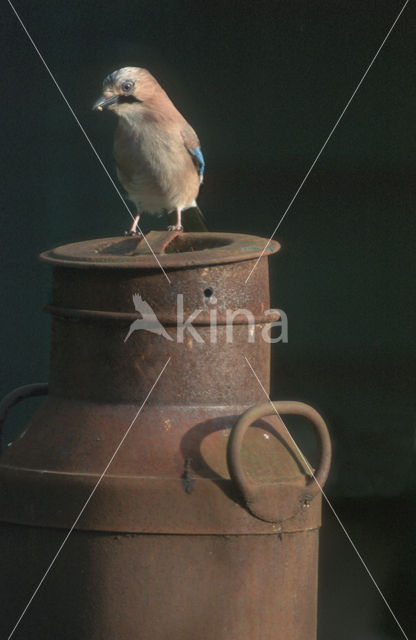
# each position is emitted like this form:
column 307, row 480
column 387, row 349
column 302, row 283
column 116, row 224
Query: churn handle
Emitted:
column 15, row 396
column 250, row 492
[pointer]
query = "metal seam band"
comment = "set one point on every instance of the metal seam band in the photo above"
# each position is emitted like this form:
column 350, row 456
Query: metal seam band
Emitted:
column 116, row 316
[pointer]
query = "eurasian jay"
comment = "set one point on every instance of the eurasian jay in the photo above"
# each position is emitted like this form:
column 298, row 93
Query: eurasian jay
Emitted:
column 157, row 153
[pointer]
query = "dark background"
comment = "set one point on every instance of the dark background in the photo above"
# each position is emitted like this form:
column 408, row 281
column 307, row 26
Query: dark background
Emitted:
column 262, row 83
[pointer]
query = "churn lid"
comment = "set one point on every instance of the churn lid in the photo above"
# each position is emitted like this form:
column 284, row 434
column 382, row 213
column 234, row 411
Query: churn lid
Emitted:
column 172, row 248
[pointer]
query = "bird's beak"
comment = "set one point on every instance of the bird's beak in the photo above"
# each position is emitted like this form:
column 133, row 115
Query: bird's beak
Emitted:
column 103, row 102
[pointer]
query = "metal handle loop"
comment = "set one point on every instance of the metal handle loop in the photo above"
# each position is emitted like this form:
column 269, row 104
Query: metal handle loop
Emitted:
column 15, row 396
column 258, row 498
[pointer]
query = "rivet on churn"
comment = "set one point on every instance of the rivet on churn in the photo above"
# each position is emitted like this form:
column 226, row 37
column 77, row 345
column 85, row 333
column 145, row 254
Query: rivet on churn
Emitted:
column 187, row 481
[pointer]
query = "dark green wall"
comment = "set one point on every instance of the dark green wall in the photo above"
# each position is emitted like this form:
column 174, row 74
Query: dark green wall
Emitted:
column 263, row 83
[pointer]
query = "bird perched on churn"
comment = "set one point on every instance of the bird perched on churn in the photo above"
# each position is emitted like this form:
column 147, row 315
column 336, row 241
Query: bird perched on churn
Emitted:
column 157, row 153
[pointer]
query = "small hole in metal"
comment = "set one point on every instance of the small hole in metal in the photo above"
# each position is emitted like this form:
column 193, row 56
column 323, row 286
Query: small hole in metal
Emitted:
column 208, row 292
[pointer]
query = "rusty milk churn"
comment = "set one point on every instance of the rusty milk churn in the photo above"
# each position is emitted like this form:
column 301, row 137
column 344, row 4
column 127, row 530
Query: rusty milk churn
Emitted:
column 205, row 523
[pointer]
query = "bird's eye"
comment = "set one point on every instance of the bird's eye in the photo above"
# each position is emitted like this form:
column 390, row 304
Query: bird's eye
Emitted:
column 127, row 85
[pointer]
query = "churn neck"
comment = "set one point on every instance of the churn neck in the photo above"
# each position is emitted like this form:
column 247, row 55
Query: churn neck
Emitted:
column 123, row 307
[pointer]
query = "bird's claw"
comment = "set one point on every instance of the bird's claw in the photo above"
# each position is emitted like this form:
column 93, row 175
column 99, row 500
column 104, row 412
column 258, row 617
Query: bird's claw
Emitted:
column 175, row 227
column 130, row 232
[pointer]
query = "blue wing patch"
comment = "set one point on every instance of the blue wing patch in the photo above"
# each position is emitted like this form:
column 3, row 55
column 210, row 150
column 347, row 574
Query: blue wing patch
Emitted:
column 199, row 160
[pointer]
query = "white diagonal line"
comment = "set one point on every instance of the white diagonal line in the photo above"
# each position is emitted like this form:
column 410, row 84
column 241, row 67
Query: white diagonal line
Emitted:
column 310, row 470
column 85, row 134
column 87, row 502
column 328, row 139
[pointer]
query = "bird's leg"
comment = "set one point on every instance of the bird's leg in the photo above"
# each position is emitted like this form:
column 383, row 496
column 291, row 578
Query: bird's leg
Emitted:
column 133, row 229
column 178, row 226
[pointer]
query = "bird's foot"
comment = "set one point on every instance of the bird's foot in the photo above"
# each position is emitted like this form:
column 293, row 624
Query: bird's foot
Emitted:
column 175, row 227
column 131, row 232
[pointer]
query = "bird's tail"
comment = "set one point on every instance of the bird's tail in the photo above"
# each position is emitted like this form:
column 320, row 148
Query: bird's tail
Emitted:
column 192, row 219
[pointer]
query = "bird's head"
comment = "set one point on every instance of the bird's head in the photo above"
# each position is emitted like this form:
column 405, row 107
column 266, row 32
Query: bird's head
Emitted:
column 126, row 89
